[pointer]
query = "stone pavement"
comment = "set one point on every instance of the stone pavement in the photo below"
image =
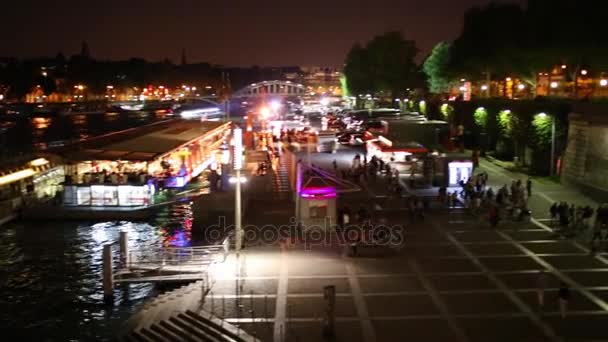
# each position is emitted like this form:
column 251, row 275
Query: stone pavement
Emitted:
column 453, row 279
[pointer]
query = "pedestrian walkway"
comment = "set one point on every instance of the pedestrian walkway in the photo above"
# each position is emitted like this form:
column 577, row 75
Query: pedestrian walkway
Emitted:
column 544, row 194
column 280, row 176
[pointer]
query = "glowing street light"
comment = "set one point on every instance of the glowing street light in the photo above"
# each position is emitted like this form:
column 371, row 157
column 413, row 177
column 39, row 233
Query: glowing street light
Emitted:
column 603, row 82
column 484, row 87
column 584, row 72
column 275, row 105
column 521, row 86
column 554, row 85
column 564, row 66
column 265, row 112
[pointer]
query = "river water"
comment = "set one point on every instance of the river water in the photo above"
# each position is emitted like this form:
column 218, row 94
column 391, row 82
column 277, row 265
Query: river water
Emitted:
column 50, row 272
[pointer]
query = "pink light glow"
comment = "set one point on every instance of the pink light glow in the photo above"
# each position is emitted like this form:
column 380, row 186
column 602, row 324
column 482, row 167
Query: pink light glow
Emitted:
column 318, row 192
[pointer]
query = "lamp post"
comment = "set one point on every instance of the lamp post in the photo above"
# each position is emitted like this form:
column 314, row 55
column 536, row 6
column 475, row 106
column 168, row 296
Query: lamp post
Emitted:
column 224, row 161
column 238, row 164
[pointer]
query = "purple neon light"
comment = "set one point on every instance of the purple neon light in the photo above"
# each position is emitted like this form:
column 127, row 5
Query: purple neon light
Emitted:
column 319, row 192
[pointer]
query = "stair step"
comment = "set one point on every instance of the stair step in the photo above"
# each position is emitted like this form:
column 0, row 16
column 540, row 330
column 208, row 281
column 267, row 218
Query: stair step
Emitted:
column 152, row 335
column 164, row 332
column 183, row 335
column 191, row 328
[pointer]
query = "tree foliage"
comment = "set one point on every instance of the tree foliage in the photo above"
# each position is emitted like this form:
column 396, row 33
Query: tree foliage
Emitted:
column 386, row 64
column 436, row 68
column 480, row 117
column 499, row 40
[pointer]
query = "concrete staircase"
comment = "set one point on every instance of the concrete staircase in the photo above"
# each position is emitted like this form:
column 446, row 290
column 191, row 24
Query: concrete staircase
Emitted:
column 177, row 316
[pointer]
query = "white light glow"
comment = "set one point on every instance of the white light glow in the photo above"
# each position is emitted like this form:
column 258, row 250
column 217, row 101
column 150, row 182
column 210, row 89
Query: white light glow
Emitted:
column 232, row 180
column 275, row 105
column 603, row 83
column 554, row 84
column 39, row 162
column 15, row 176
column 238, row 148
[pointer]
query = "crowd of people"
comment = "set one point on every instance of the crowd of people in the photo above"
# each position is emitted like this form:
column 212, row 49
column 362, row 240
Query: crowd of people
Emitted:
column 475, row 194
column 570, row 216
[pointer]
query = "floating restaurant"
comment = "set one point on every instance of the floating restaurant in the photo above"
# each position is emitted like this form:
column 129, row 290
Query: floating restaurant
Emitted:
column 125, row 169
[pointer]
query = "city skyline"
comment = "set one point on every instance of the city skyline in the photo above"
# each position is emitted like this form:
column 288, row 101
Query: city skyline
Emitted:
column 269, row 34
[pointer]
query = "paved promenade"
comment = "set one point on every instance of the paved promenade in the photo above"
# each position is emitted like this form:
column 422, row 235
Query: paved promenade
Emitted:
column 453, row 279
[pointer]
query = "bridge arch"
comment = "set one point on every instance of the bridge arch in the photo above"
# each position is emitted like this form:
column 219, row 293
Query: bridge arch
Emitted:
column 271, row 88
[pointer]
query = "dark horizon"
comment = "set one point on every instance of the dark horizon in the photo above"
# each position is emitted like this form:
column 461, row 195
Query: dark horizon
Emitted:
column 246, row 34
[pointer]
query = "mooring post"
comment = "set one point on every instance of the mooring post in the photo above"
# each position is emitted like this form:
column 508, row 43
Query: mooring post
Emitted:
column 124, row 249
column 108, row 276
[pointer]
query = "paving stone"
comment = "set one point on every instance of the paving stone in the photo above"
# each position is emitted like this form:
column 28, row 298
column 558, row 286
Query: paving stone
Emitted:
column 400, row 305
column 478, row 303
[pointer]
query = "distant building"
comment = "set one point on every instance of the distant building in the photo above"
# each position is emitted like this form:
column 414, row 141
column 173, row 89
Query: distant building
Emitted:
column 322, row 80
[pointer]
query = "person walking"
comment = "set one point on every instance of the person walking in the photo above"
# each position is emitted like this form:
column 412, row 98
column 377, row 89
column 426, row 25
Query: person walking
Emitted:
column 541, row 285
column 564, row 298
column 553, row 211
column 529, row 187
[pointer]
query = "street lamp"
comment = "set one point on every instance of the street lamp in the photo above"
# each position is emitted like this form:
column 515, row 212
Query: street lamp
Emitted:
column 554, row 85
column 237, row 135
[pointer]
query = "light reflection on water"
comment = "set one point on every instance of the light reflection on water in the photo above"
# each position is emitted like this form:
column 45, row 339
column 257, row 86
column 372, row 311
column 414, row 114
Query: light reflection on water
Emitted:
column 50, row 275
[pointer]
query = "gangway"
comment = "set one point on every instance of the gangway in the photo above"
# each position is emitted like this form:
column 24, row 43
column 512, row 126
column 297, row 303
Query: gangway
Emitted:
column 160, row 264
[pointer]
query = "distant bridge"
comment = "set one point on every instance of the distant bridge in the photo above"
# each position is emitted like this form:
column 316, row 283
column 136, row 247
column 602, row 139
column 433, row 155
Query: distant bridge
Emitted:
column 271, row 88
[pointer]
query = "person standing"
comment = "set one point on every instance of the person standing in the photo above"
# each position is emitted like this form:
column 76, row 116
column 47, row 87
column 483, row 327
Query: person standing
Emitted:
column 597, row 235
column 529, row 187
column 564, row 298
column 541, row 285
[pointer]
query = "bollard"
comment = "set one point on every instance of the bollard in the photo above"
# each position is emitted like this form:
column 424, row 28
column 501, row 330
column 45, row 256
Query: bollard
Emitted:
column 252, row 312
column 223, row 308
column 108, row 276
column 124, row 249
column 329, row 295
column 266, row 308
column 212, row 304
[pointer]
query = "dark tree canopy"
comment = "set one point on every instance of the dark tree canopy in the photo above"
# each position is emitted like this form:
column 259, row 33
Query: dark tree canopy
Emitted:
column 386, row 64
column 506, row 39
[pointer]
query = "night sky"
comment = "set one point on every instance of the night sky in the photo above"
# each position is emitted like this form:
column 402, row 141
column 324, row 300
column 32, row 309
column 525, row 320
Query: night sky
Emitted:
column 228, row 32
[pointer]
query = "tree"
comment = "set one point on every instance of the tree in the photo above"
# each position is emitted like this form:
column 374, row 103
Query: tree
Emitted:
column 358, row 71
column 392, row 60
column 435, row 68
column 386, row 64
